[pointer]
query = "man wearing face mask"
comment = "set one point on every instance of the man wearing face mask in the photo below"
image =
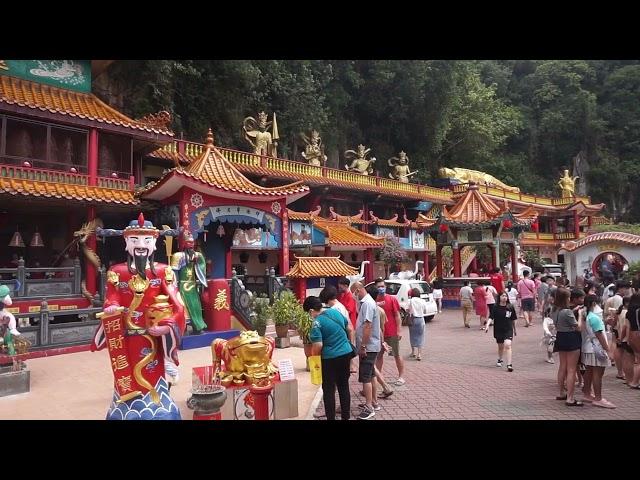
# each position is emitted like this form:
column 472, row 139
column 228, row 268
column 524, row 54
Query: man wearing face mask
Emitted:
column 392, row 328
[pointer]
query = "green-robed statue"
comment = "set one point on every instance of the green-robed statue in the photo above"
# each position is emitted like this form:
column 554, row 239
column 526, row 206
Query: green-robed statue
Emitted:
column 190, row 269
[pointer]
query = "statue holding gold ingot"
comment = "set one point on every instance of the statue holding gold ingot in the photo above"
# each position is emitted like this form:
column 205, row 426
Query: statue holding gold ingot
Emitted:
column 141, row 327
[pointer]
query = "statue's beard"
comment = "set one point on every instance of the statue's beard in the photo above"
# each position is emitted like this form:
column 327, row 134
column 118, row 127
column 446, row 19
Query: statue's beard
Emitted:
column 140, row 262
column 189, row 252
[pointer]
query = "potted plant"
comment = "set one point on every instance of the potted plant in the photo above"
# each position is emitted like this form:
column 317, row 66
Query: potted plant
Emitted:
column 285, row 311
column 261, row 313
column 304, row 322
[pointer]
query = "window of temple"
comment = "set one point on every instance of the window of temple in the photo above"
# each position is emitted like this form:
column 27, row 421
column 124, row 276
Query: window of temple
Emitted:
column 68, row 148
column 115, row 156
column 25, row 141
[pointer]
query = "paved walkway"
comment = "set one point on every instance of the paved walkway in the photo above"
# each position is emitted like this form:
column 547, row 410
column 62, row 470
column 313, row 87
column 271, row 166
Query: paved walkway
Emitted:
column 457, row 379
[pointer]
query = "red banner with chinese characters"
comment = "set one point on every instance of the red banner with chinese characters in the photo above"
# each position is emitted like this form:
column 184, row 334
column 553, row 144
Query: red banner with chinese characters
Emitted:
column 122, row 373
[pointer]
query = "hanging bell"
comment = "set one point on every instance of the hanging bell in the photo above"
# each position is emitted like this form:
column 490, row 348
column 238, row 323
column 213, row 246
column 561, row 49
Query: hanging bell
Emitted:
column 16, row 240
column 36, row 240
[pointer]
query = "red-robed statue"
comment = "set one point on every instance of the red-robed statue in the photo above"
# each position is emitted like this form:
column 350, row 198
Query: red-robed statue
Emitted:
column 141, row 327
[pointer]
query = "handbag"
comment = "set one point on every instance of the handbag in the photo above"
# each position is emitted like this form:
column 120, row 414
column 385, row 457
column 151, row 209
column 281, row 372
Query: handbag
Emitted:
column 600, row 353
column 407, row 320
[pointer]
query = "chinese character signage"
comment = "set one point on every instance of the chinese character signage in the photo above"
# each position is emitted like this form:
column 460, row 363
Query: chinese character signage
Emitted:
column 475, row 236
column 417, row 240
column 69, row 74
column 300, row 234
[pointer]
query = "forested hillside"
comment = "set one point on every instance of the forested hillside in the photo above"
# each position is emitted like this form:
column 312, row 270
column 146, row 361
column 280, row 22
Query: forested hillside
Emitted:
column 521, row 120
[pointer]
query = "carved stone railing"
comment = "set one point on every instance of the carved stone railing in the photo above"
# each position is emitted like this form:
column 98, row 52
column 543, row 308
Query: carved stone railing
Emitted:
column 42, row 333
column 62, row 281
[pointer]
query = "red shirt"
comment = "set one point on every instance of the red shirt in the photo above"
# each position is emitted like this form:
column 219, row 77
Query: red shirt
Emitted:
column 346, row 299
column 497, row 281
column 391, row 308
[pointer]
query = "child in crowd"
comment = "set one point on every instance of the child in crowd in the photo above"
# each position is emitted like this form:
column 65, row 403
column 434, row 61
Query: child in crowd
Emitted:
column 549, row 337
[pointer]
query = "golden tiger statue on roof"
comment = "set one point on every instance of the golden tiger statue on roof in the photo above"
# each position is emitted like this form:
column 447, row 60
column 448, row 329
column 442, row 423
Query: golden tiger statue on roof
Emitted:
column 464, row 175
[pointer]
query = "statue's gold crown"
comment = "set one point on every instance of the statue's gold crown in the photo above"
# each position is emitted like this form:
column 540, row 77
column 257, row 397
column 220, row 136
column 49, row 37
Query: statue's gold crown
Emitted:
column 262, row 117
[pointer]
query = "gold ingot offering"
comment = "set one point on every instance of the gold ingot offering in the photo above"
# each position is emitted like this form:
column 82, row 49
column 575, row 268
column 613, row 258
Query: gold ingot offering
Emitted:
column 158, row 311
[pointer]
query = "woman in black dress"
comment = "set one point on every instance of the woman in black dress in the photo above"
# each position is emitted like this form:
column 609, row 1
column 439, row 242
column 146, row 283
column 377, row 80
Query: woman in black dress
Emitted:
column 504, row 318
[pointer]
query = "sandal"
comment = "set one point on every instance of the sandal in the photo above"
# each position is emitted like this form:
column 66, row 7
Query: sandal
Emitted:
column 603, row 404
column 635, row 387
column 620, row 377
column 575, row 403
column 561, row 397
column 385, row 394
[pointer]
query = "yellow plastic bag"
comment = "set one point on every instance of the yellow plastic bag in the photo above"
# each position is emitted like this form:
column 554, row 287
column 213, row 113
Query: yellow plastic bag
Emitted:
column 315, row 366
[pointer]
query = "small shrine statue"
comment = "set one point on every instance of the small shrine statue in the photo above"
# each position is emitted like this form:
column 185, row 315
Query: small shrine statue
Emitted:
column 247, row 359
column 400, row 168
column 313, row 153
column 360, row 164
column 262, row 141
column 190, row 268
column 11, row 342
column 567, row 184
column 141, row 327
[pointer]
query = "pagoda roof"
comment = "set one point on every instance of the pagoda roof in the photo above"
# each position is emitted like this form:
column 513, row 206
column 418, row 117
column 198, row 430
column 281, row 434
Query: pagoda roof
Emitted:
column 309, row 267
column 211, row 173
column 32, row 98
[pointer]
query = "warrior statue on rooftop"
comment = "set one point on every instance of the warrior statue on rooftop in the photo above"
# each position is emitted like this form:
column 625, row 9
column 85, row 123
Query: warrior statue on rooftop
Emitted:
column 360, row 164
column 567, row 184
column 257, row 134
column 400, row 168
column 313, row 153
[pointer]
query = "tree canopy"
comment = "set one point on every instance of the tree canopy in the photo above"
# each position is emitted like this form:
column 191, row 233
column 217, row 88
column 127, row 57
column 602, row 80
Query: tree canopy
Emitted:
column 522, row 121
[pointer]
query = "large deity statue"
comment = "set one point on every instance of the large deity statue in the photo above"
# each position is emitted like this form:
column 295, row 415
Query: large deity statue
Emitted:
column 141, row 326
column 360, row 164
column 313, row 153
column 262, row 141
column 464, row 175
column 568, row 184
column 190, row 267
column 400, row 168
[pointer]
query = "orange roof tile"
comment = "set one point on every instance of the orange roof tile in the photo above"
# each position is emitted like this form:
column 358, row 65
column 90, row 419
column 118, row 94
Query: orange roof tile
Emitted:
column 340, row 233
column 37, row 96
column 15, row 186
column 310, row 216
column 472, row 208
column 308, row 267
column 622, row 237
column 357, row 219
column 214, row 170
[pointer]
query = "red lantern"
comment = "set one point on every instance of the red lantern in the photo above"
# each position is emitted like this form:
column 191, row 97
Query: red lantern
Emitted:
column 507, row 224
column 443, row 227
column 535, row 226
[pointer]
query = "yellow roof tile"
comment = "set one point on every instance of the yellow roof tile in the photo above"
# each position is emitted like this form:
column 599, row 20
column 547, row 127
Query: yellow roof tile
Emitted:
column 340, row 233
column 308, row 267
column 15, row 91
column 34, row 188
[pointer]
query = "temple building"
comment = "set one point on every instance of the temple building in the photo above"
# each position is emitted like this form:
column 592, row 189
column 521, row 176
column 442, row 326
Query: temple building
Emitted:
column 70, row 163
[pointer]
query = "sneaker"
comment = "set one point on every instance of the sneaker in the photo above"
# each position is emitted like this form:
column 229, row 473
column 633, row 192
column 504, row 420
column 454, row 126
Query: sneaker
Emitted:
column 510, row 368
column 376, row 406
column 499, row 363
column 385, row 394
column 399, row 382
column 550, row 360
column 366, row 414
column 603, row 404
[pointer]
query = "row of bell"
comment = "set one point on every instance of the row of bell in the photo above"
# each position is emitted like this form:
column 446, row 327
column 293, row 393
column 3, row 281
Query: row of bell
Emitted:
column 16, row 240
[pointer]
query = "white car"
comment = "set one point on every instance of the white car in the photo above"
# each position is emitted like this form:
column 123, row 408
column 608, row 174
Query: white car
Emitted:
column 400, row 289
column 554, row 270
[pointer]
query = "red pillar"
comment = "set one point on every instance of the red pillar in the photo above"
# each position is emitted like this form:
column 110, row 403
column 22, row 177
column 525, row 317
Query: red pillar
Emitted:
column 327, row 250
column 457, row 267
column 261, row 401
column 439, row 260
column 368, row 269
column 90, row 270
column 93, row 157
column 493, row 256
column 554, row 225
column 514, row 263
column 283, row 259
column 576, row 224
column 301, row 288
column 228, row 263
column 425, row 266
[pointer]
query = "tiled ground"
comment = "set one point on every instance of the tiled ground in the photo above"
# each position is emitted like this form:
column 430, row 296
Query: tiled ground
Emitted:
column 457, row 379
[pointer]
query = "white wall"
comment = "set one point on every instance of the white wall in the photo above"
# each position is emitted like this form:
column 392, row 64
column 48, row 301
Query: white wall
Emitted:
column 578, row 260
